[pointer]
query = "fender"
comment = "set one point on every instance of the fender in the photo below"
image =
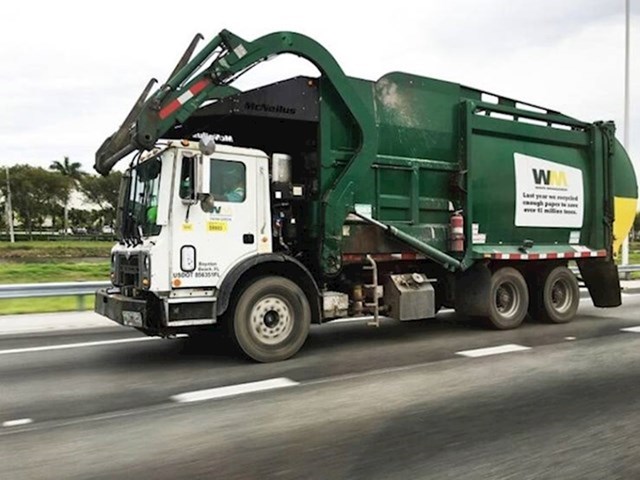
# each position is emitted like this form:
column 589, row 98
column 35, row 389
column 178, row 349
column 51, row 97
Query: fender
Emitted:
column 270, row 263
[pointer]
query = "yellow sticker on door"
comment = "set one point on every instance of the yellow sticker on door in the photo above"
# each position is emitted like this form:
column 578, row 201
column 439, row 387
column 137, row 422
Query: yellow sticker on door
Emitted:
column 217, row 226
column 187, row 227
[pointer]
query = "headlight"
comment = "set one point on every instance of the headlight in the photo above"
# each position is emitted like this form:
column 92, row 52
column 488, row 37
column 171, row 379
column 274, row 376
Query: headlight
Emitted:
column 113, row 275
column 147, row 263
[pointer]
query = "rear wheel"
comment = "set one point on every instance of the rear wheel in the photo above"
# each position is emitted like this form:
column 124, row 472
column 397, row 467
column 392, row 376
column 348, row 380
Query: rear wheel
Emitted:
column 558, row 299
column 509, row 299
column 271, row 319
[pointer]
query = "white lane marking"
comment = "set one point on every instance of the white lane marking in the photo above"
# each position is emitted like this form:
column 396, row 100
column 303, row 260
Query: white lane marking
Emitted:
column 232, row 390
column 483, row 352
column 17, row 422
column 569, row 338
column 631, row 329
column 66, row 346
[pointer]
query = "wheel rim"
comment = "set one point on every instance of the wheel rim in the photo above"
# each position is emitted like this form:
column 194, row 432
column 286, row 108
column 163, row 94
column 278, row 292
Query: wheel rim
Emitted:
column 271, row 320
column 507, row 299
column 561, row 296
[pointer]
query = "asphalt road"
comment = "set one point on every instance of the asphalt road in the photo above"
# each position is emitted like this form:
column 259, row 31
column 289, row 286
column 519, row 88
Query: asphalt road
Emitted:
column 397, row 402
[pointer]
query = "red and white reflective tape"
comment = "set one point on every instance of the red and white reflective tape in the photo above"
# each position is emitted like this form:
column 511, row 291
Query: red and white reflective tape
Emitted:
column 176, row 103
column 387, row 257
column 381, row 257
column 582, row 253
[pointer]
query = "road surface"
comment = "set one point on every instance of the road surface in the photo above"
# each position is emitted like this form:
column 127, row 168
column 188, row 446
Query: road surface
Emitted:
column 437, row 399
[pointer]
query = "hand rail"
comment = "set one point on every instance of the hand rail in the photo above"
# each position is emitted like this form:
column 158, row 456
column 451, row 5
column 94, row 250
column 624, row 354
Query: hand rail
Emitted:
column 33, row 290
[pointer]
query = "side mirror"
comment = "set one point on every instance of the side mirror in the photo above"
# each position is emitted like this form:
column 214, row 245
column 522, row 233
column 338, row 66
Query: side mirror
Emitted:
column 194, row 177
column 203, row 175
column 206, row 202
column 188, row 177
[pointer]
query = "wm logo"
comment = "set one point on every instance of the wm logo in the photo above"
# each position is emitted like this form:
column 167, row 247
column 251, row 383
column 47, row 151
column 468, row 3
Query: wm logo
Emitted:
column 554, row 178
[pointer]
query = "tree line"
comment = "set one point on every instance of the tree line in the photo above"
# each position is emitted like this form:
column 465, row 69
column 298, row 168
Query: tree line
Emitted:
column 38, row 194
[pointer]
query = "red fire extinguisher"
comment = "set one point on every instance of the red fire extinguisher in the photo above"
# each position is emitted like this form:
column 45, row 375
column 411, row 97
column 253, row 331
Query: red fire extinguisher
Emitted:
column 456, row 236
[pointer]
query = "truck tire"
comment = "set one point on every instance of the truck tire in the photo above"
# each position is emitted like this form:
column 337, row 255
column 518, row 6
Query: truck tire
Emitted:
column 558, row 298
column 271, row 319
column 508, row 299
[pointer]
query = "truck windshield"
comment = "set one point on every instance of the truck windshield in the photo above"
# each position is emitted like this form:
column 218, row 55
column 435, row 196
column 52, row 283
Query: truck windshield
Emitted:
column 140, row 201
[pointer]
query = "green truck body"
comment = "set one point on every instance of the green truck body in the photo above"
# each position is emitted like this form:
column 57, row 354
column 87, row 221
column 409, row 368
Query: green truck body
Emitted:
column 438, row 146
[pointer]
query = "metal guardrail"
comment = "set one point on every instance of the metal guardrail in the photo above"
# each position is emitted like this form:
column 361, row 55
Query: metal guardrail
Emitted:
column 622, row 269
column 81, row 289
column 62, row 289
column 628, row 268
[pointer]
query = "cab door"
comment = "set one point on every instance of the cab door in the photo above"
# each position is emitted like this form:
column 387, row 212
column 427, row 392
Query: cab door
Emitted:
column 237, row 227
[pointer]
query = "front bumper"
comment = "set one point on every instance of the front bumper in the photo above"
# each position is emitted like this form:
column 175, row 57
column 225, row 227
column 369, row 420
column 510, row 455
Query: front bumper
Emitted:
column 127, row 311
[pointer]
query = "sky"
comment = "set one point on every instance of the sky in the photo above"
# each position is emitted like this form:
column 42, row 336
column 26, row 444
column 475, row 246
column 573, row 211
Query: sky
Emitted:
column 72, row 70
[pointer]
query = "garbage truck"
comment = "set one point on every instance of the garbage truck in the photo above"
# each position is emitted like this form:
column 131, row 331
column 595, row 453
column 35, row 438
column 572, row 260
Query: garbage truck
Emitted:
column 264, row 211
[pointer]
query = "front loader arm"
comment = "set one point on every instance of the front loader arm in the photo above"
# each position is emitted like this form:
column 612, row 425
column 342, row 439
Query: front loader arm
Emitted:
column 191, row 85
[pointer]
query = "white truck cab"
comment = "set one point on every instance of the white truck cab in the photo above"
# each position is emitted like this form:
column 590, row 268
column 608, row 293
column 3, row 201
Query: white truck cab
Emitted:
column 187, row 216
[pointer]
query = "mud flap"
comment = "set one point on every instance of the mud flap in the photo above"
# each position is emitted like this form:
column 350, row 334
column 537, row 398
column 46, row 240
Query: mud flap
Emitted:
column 601, row 278
column 472, row 291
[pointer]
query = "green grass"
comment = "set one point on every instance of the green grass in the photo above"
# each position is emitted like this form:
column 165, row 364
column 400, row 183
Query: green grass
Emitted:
column 40, row 249
column 40, row 262
column 42, row 305
column 53, row 272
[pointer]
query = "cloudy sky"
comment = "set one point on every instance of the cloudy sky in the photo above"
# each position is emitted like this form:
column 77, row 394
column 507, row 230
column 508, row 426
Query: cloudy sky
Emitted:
column 71, row 70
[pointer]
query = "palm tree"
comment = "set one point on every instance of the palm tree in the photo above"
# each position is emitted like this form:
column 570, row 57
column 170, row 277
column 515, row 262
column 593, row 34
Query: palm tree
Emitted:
column 73, row 173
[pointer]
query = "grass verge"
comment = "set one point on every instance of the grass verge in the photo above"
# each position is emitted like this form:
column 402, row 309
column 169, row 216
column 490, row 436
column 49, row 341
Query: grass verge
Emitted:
column 44, row 305
column 58, row 249
column 53, row 272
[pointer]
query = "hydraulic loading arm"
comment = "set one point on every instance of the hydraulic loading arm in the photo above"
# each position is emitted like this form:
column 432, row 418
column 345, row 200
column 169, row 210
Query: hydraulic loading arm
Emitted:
column 189, row 86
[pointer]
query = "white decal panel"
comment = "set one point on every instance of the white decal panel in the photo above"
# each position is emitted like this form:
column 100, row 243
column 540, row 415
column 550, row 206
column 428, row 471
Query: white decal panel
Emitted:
column 548, row 194
column 478, row 238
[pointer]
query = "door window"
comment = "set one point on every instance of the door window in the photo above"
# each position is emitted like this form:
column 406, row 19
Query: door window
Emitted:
column 187, row 178
column 228, row 181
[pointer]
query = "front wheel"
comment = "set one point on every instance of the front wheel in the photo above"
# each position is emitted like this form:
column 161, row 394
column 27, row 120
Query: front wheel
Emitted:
column 271, row 319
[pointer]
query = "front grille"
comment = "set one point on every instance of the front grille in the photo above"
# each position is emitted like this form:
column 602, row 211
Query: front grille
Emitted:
column 127, row 270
